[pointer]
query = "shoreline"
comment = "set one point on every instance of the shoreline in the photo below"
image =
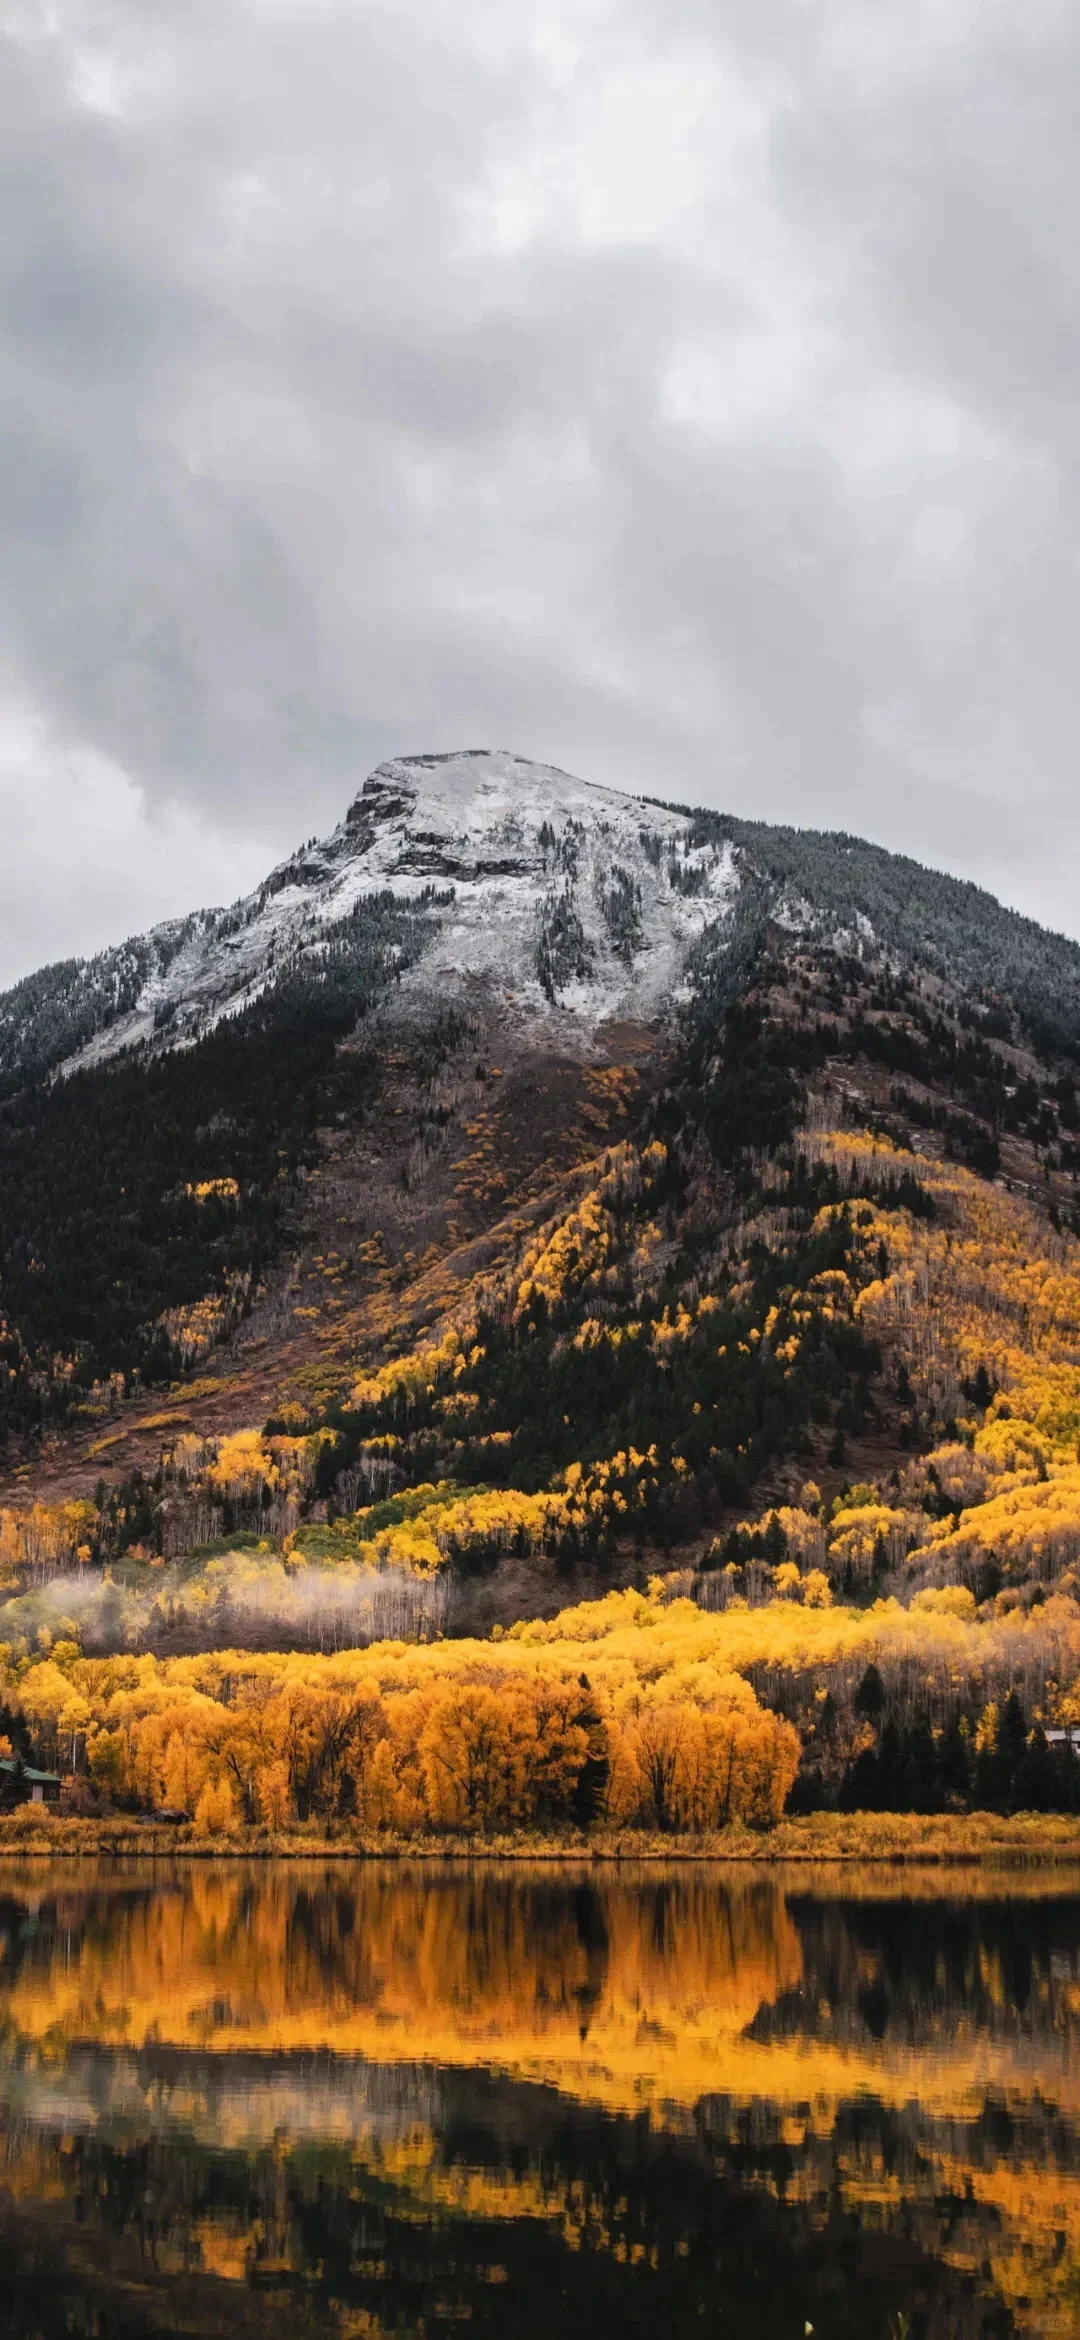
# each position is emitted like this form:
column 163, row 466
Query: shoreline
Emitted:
column 899, row 1840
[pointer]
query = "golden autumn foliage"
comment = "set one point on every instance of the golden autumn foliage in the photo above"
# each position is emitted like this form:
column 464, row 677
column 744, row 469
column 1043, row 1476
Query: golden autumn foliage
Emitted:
column 627, row 1711
column 632, row 1711
column 405, row 1378
column 45, row 1537
column 245, row 1462
column 572, row 1253
column 985, row 1287
column 985, row 1283
column 194, row 1331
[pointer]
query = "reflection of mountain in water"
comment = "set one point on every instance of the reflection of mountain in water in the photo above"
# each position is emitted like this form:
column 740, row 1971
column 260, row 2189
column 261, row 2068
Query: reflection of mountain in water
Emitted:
column 849, row 2106
column 518, row 2208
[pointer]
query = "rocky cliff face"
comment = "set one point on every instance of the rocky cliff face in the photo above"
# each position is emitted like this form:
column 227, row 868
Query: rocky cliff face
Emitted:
column 480, row 879
column 561, row 903
column 559, row 899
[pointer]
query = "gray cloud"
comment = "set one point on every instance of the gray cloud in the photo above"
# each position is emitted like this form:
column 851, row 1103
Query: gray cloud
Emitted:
column 684, row 395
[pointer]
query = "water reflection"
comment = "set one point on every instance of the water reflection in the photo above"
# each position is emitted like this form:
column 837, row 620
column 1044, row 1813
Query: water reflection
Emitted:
column 365, row 2100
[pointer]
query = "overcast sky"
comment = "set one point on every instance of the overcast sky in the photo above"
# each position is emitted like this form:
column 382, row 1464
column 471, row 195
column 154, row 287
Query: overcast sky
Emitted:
column 681, row 391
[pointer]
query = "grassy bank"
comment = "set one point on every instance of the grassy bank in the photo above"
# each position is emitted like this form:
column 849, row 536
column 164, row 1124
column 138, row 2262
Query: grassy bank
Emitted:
column 1026, row 1838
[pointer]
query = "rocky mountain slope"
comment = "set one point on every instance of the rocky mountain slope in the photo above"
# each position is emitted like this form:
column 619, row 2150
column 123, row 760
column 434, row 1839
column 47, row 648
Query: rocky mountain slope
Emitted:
column 484, row 879
column 531, row 1193
column 560, row 903
column 251, row 1162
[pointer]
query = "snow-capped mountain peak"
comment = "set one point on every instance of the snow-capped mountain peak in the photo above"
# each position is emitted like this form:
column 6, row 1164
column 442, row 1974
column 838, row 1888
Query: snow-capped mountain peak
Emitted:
column 567, row 898
column 553, row 899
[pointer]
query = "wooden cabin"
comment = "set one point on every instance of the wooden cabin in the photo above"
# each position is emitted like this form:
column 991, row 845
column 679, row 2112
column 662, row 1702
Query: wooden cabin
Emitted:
column 21, row 1784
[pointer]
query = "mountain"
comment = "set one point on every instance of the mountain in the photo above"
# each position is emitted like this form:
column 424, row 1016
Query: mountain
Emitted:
column 512, row 883
column 176, row 1113
column 484, row 879
column 532, row 1194
column 616, row 1169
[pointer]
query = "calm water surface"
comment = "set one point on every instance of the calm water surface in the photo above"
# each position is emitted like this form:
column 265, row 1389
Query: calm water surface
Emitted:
column 537, row 2102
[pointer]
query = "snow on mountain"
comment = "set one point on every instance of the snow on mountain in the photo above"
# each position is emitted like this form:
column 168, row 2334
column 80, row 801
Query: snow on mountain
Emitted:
column 552, row 899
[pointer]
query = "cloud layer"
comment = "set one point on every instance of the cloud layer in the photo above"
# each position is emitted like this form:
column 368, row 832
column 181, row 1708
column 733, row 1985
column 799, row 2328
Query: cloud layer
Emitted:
column 683, row 395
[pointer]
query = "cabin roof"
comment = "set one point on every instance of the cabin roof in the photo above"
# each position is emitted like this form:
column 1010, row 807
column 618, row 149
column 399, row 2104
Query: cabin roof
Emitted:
column 11, row 1763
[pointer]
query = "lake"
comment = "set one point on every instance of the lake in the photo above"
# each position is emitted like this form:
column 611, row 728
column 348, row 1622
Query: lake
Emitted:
column 547, row 2102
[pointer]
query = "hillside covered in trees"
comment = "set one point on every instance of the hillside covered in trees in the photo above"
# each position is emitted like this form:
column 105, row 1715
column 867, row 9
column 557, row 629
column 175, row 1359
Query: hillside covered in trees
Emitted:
column 424, row 1411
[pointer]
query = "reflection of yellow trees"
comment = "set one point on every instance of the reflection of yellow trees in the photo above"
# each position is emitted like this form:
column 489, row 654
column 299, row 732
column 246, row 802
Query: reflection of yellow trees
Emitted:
column 627, row 1990
column 645, row 1997
column 1008, row 2226
column 1011, row 2228
column 634, row 1991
